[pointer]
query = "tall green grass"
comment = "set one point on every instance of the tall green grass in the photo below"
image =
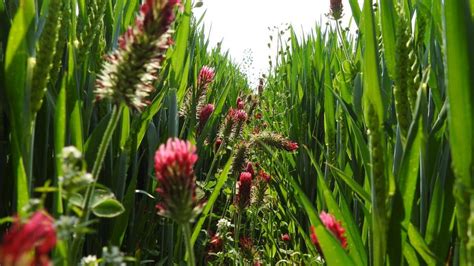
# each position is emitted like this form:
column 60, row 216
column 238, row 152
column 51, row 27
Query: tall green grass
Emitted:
column 394, row 188
column 382, row 115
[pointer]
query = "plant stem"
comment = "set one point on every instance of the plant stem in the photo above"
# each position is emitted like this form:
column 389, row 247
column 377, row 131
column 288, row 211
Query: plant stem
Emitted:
column 114, row 119
column 214, row 160
column 189, row 245
column 237, row 229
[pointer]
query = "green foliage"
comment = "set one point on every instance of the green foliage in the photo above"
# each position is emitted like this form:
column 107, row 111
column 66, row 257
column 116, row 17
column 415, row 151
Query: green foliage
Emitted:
column 373, row 126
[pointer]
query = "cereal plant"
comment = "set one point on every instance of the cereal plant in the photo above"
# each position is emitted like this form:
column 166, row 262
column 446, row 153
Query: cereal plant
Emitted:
column 125, row 139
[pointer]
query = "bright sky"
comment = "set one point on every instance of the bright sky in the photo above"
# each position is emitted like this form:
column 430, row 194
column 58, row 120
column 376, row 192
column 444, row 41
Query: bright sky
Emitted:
column 242, row 25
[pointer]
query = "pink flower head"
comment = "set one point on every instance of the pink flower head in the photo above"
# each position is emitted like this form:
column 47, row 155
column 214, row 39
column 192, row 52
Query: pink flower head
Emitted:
column 264, row 176
column 250, row 169
column 285, row 238
column 244, row 188
column 240, row 115
column 240, row 104
column 149, row 14
column 29, row 243
column 218, row 142
column 174, row 162
column 216, row 244
column 334, row 226
column 204, row 115
column 206, row 76
column 291, row 146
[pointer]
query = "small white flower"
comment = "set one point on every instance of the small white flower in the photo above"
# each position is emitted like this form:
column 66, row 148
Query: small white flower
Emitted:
column 90, row 260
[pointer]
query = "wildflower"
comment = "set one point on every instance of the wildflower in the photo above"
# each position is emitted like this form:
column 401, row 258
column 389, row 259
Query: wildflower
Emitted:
column 90, row 260
column 113, row 256
column 258, row 116
column 206, row 76
column 276, row 140
column 244, row 188
column 240, row 115
column 336, row 9
column 218, row 142
column 129, row 72
column 223, row 226
column 246, row 246
column 264, row 176
column 29, row 243
column 216, row 244
column 261, row 185
column 250, row 169
column 174, row 162
column 334, row 226
column 203, row 115
column 291, row 146
column 240, row 104
column 285, row 238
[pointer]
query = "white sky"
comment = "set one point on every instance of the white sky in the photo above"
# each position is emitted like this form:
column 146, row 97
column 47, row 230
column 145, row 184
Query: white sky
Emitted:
column 242, row 25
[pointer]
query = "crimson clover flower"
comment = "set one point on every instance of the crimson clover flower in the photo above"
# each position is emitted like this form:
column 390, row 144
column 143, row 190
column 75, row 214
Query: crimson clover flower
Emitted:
column 244, row 189
column 334, row 226
column 336, row 9
column 264, row 176
column 240, row 103
column 276, row 140
column 129, row 72
column 285, row 238
column 240, row 116
column 29, row 243
column 174, row 162
column 206, row 76
column 203, row 115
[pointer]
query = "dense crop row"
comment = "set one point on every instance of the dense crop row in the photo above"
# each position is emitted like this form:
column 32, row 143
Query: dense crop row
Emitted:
column 125, row 139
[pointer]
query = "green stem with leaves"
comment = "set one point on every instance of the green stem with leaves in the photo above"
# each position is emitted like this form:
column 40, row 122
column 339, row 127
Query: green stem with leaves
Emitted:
column 189, row 246
column 114, row 119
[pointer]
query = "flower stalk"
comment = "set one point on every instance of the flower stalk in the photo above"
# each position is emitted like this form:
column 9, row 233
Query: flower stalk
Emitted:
column 115, row 118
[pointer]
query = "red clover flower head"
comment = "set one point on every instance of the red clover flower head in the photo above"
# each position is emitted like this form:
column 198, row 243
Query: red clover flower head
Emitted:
column 240, row 104
column 129, row 72
column 216, row 244
column 206, row 76
column 174, row 162
column 264, row 176
column 250, row 169
column 240, row 115
column 334, row 226
column 29, row 243
column 285, row 238
column 291, row 146
column 205, row 113
column 218, row 142
column 244, row 188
